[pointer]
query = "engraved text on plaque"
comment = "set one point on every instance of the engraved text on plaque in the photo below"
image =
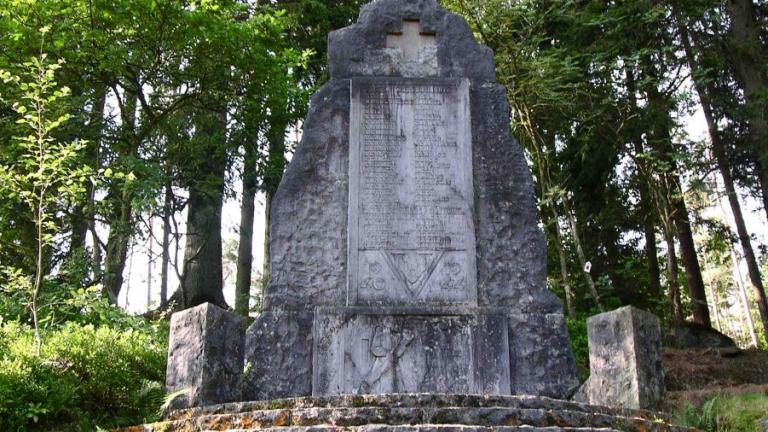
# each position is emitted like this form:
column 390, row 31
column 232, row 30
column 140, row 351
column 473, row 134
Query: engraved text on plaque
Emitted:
column 411, row 229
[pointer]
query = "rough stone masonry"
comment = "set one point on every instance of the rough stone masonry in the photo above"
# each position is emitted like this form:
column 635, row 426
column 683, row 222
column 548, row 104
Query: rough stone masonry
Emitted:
column 406, row 255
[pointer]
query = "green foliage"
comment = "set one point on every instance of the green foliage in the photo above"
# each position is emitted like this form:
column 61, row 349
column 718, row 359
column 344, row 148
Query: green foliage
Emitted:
column 84, row 376
column 577, row 330
column 44, row 174
column 734, row 413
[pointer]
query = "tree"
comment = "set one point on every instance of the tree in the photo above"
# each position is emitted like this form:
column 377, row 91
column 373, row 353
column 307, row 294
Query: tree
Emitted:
column 45, row 173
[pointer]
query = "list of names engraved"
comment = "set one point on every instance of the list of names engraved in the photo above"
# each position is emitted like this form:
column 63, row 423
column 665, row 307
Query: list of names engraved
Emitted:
column 411, row 184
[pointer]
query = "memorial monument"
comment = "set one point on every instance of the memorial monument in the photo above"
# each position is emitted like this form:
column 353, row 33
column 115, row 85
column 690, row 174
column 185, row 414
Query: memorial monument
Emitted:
column 406, row 252
column 406, row 261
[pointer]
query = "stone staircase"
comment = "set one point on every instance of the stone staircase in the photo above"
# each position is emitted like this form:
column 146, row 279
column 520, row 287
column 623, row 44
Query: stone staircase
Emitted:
column 413, row 412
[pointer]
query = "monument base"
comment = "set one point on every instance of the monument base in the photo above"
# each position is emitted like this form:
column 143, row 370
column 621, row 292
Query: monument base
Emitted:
column 413, row 412
column 372, row 350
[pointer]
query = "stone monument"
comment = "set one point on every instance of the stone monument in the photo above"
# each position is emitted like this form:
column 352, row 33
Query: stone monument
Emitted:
column 408, row 286
column 625, row 360
column 405, row 251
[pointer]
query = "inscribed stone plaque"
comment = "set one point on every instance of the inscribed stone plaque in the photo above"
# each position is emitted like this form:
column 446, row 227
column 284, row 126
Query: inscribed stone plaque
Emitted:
column 379, row 351
column 411, row 228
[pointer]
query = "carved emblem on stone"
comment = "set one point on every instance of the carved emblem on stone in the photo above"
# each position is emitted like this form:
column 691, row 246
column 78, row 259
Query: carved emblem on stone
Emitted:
column 413, row 269
column 375, row 280
column 453, row 276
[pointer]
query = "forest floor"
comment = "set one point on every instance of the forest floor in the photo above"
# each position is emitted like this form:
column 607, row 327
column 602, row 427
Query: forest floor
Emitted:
column 694, row 376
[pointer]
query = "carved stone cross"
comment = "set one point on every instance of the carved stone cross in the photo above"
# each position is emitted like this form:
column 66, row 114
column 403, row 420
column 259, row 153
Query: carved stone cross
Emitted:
column 411, row 40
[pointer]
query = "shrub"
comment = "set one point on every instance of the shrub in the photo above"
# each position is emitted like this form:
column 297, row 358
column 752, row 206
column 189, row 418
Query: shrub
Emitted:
column 84, row 377
column 731, row 413
column 577, row 330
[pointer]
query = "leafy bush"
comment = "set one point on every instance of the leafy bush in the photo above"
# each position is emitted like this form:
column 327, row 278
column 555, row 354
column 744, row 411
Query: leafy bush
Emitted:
column 84, row 377
column 577, row 330
column 728, row 413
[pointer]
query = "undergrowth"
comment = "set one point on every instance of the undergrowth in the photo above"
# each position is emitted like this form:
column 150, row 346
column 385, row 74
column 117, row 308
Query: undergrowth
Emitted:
column 747, row 412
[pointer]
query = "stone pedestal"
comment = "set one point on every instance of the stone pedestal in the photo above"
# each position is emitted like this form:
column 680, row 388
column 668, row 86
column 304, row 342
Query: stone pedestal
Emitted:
column 365, row 350
column 205, row 356
column 625, row 360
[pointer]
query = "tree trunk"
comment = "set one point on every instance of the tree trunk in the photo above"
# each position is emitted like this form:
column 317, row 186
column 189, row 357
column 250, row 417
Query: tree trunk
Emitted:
column 747, row 316
column 167, row 203
column 202, row 278
column 245, row 246
column 569, row 297
column 705, row 91
column 672, row 276
column 82, row 214
column 691, row 263
column 742, row 293
column 659, row 106
column 748, row 57
column 713, row 294
column 741, row 226
column 150, row 259
column 582, row 257
column 646, row 202
column 121, row 216
column 265, row 273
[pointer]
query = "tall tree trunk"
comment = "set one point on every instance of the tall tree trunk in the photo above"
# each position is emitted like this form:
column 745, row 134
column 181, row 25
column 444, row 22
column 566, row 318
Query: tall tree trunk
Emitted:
column 569, row 297
column 265, row 272
column 150, row 261
column 705, row 92
column 582, row 258
column 245, row 247
column 202, row 278
column 82, row 214
column 167, row 203
column 691, row 264
column 748, row 56
column 741, row 226
column 659, row 106
column 742, row 294
column 713, row 294
column 121, row 215
column 738, row 279
column 673, row 277
column 646, row 201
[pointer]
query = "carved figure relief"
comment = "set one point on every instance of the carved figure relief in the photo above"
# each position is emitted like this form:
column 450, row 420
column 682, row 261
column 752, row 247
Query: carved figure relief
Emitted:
column 386, row 347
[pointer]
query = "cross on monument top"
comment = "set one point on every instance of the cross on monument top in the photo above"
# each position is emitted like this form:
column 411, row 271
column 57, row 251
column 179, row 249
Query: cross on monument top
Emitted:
column 411, row 40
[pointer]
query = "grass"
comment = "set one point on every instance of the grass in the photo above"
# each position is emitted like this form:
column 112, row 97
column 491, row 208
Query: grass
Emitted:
column 733, row 413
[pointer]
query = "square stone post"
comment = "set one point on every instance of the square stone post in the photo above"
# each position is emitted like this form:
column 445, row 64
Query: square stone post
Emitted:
column 625, row 360
column 205, row 356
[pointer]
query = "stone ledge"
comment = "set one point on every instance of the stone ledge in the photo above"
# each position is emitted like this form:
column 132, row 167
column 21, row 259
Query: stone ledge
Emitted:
column 413, row 412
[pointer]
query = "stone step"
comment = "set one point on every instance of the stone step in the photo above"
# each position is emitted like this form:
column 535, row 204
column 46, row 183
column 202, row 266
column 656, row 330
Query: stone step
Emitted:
column 400, row 413
column 418, row 401
column 430, row 428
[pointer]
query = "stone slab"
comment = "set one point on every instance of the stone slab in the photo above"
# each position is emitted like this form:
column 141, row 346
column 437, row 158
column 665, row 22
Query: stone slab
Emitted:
column 415, row 412
column 278, row 355
column 625, row 360
column 540, row 354
column 205, row 356
column 411, row 204
column 378, row 351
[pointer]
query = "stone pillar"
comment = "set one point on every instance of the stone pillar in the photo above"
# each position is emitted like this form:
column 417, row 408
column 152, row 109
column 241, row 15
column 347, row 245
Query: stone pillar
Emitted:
column 625, row 360
column 205, row 356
